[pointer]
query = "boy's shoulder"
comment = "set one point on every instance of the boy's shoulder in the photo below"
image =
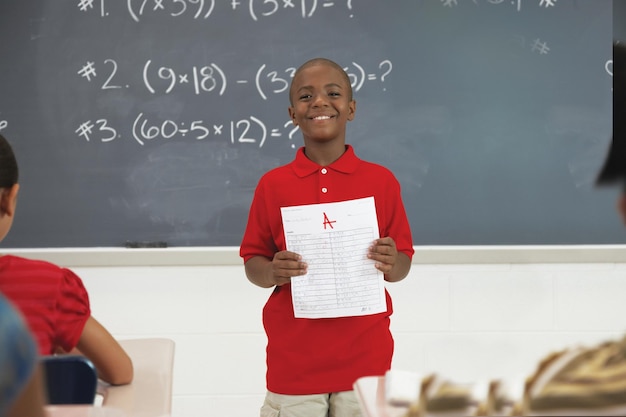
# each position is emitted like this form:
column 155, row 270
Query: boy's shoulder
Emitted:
column 376, row 169
column 28, row 265
column 278, row 171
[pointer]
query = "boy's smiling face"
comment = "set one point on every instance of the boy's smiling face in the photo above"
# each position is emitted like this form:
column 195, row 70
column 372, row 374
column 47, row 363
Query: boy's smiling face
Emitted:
column 321, row 103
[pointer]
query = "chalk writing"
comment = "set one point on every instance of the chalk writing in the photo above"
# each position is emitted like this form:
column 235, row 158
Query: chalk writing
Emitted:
column 516, row 3
column 547, row 3
column 540, row 47
column 251, row 130
column 534, row 46
column 151, row 108
column 212, row 79
column 204, row 9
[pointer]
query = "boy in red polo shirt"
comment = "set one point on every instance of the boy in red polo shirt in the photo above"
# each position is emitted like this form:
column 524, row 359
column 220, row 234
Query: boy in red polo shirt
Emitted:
column 313, row 363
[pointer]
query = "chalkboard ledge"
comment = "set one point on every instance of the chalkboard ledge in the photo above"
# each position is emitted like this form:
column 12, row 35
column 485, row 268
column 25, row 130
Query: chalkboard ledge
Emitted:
column 229, row 256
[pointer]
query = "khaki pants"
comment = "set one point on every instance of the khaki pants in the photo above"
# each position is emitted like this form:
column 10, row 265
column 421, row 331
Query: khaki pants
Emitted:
column 336, row 404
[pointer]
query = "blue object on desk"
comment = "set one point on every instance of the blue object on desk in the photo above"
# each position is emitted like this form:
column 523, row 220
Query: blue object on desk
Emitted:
column 69, row 379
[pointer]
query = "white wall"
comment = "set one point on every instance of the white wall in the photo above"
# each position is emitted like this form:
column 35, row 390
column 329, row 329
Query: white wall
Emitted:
column 466, row 313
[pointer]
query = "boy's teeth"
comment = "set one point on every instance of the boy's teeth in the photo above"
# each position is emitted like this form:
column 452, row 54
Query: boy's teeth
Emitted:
column 321, row 117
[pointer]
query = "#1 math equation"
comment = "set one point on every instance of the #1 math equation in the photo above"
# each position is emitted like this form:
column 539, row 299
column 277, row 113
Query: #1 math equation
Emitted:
column 251, row 130
column 212, row 79
column 204, row 9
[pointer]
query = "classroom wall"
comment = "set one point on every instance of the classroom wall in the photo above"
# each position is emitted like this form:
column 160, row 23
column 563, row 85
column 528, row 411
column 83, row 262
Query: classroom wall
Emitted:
column 469, row 315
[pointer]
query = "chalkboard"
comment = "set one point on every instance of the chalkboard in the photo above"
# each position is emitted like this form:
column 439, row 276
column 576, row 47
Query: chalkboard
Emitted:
column 152, row 120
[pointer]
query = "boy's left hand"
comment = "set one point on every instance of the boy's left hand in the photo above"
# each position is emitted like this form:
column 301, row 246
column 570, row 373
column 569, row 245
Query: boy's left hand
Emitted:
column 384, row 252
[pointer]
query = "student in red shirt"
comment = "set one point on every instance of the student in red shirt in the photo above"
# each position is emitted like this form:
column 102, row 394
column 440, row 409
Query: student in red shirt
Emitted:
column 52, row 299
column 312, row 364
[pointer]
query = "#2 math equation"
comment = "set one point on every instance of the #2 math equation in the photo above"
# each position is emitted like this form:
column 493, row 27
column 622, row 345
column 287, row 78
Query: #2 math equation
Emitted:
column 211, row 78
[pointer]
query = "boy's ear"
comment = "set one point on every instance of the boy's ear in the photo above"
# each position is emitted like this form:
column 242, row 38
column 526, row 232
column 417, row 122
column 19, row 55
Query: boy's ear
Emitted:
column 292, row 115
column 351, row 110
column 8, row 199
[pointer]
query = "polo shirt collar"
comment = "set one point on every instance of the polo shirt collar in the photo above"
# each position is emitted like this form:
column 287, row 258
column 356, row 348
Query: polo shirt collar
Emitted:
column 347, row 163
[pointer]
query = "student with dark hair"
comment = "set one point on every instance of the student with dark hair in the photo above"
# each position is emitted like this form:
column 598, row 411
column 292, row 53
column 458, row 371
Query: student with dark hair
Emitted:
column 614, row 169
column 53, row 300
column 589, row 380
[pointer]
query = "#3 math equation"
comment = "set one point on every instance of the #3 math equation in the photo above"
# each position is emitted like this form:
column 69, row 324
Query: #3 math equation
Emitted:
column 250, row 130
column 212, row 79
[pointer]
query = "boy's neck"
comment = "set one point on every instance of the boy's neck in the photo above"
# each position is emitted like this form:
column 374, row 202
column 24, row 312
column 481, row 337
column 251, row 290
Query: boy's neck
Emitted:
column 324, row 154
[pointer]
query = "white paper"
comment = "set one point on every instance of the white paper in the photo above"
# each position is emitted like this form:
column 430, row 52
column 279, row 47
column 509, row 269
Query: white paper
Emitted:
column 333, row 239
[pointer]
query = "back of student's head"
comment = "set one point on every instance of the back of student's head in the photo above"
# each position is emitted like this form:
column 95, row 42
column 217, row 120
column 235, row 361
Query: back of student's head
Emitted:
column 8, row 164
column 613, row 169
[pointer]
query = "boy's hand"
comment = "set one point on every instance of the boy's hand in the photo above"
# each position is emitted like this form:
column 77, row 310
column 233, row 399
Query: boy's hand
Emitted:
column 384, row 252
column 286, row 265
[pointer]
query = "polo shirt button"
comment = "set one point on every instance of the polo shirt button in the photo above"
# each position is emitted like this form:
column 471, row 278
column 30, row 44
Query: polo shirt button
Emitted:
column 324, row 190
column 324, row 170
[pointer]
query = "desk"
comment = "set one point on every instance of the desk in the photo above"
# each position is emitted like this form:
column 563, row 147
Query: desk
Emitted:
column 370, row 390
column 82, row 411
column 150, row 393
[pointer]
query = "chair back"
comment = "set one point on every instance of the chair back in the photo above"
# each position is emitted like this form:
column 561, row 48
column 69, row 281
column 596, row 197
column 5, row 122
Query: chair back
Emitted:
column 69, row 379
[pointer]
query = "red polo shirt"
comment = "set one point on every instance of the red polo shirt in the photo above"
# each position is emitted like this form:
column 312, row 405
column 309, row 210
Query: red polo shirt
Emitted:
column 311, row 356
column 53, row 300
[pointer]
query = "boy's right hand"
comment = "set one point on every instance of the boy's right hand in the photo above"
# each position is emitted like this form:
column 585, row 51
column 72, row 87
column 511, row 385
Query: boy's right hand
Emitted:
column 285, row 265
